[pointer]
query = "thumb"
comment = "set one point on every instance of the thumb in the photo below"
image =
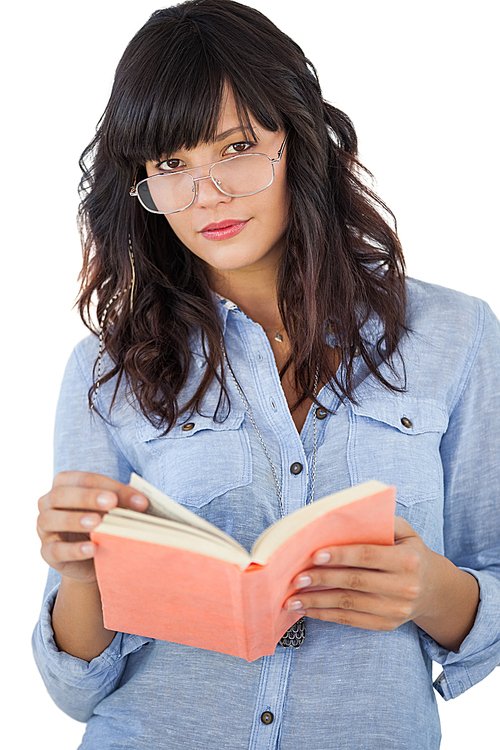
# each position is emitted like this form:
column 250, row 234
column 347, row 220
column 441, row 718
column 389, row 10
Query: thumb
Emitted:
column 402, row 529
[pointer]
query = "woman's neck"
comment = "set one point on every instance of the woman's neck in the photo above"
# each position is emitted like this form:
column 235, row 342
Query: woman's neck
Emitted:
column 254, row 293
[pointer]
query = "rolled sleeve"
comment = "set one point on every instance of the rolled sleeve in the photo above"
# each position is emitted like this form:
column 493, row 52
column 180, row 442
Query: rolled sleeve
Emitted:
column 82, row 442
column 76, row 685
column 470, row 453
column 479, row 653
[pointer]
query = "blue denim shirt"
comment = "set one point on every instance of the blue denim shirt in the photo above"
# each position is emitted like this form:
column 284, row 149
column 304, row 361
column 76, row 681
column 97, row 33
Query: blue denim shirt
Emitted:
column 344, row 687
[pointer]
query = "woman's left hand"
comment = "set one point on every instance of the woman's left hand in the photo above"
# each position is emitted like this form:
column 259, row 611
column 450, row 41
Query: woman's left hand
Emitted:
column 381, row 587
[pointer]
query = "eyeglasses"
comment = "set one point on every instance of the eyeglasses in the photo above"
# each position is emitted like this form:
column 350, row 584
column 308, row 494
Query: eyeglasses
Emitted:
column 237, row 176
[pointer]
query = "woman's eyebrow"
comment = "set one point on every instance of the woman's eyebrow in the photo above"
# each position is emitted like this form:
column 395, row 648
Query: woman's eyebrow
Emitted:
column 227, row 133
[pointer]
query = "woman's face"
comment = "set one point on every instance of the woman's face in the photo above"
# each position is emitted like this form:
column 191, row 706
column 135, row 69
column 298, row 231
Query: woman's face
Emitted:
column 255, row 225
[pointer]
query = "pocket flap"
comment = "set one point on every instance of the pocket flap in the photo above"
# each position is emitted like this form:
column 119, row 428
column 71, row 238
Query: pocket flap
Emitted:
column 187, row 427
column 409, row 415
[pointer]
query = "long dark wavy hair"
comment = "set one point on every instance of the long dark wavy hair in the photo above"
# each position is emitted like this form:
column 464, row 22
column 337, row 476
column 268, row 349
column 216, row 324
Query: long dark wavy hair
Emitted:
column 342, row 263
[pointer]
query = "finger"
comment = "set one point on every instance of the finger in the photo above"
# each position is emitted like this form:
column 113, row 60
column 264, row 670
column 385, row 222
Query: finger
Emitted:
column 363, row 620
column 55, row 521
column 127, row 496
column 336, row 599
column 69, row 496
column 402, row 529
column 393, row 609
column 95, row 491
column 58, row 552
column 368, row 556
column 352, row 579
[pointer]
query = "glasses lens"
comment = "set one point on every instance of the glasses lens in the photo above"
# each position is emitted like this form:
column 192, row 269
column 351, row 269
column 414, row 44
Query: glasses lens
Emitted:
column 243, row 175
column 166, row 193
column 239, row 176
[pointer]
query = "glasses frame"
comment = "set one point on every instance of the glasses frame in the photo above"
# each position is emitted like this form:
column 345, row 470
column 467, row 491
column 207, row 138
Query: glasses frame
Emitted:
column 135, row 194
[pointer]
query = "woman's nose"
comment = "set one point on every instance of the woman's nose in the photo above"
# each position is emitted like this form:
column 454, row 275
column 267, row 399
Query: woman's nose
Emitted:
column 207, row 193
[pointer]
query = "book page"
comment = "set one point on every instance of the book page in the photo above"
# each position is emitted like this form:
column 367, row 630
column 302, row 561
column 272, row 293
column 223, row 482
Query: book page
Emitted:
column 162, row 506
column 170, row 534
column 278, row 533
column 121, row 519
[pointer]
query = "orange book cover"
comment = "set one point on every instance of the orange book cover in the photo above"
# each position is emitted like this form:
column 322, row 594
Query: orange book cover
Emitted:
column 172, row 581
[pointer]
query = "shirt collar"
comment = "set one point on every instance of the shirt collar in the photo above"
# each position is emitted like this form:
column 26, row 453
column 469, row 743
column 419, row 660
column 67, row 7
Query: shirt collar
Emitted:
column 225, row 307
column 371, row 331
column 226, row 303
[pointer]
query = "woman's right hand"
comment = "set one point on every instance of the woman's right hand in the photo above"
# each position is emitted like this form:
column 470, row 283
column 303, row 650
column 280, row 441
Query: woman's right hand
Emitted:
column 73, row 507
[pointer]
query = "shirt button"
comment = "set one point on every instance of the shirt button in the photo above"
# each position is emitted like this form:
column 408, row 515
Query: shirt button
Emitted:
column 267, row 717
column 406, row 422
column 296, row 468
column 321, row 413
column 188, row 426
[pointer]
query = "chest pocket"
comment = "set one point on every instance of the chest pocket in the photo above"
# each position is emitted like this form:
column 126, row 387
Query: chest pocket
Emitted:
column 396, row 440
column 198, row 460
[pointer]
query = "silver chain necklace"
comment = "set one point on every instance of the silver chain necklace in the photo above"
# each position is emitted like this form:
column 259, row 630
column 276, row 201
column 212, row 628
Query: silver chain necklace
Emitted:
column 295, row 635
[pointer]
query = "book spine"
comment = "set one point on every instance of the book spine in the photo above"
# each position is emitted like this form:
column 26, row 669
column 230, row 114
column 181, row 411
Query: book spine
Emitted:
column 258, row 612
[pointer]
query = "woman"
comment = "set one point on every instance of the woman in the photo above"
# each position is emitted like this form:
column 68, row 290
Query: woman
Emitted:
column 251, row 292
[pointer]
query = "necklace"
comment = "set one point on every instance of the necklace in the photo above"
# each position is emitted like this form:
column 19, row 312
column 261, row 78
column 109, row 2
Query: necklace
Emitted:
column 277, row 335
column 295, row 635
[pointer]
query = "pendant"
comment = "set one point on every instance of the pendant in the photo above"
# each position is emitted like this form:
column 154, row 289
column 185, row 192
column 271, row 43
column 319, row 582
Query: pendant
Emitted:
column 278, row 337
column 295, row 635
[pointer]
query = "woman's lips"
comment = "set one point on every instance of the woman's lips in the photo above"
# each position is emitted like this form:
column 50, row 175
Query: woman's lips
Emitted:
column 223, row 229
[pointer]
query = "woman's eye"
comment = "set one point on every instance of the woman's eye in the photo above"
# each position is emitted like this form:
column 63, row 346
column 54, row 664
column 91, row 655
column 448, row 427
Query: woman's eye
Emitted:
column 170, row 164
column 239, row 148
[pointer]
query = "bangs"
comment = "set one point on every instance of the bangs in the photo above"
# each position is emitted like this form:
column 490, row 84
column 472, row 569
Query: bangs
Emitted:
column 170, row 92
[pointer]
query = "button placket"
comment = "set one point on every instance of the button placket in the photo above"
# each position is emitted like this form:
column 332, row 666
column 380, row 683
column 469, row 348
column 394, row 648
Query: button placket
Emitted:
column 274, row 410
column 270, row 699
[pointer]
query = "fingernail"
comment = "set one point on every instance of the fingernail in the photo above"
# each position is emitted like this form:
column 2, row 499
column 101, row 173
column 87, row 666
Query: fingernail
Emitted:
column 302, row 582
column 87, row 549
column 105, row 501
column 89, row 522
column 322, row 557
column 138, row 502
column 292, row 606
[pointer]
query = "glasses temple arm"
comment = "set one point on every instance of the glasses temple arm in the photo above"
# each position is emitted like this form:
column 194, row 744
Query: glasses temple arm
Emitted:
column 132, row 190
column 280, row 152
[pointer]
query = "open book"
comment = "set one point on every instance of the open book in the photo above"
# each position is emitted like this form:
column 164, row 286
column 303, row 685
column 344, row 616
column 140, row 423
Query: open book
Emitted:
column 171, row 575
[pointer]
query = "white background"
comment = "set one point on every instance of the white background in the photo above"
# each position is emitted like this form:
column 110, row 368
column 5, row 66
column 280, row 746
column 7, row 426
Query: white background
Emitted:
column 418, row 80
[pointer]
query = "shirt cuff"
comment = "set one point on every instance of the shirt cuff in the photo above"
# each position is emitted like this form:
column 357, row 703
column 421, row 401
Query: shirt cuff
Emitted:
column 479, row 652
column 70, row 670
